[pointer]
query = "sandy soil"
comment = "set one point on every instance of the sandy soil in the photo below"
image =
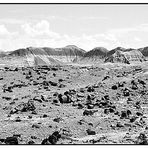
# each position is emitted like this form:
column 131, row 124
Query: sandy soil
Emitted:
column 104, row 104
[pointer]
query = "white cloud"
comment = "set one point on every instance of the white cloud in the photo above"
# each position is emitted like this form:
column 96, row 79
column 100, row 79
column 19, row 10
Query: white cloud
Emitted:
column 3, row 30
column 40, row 34
column 40, row 29
column 5, row 34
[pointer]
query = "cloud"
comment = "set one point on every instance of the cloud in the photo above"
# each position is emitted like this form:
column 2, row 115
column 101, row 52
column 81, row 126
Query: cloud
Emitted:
column 3, row 30
column 4, row 33
column 42, row 28
column 39, row 33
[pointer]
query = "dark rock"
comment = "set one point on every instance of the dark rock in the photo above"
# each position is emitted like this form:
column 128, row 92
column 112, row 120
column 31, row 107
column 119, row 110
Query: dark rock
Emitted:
column 90, row 89
column 106, row 97
column 106, row 77
column 24, row 107
column 57, row 119
column 133, row 119
column 90, row 132
column 139, row 114
column 31, row 142
column 133, row 82
column 141, row 82
column 2, row 140
column 142, row 139
column 120, row 84
column 29, row 116
column 11, row 103
column 11, row 140
column 80, row 106
column 123, row 114
column 57, row 134
column 114, row 87
column 134, row 87
column 45, row 142
column 7, row 98
column 54, row 74
column 55, row 94
column 60, row 80
column 52, row 139
column 1, row 78
column 88, row 112
column 80, row 95
column 37, row 99
column 45, row 116
column 119, row 125
column 34, row 112
column 128, row 112
column 16, row 135
column 129, row 100
column 90, row 106
column 126, row 93
column 106, row 111
column 18, row 119
column 53, row 83
column 82, row 90
column 55, row 101
column 35, row 126
column 33, row 137
column 111, row 110
column 64, row 98
column 62, row 86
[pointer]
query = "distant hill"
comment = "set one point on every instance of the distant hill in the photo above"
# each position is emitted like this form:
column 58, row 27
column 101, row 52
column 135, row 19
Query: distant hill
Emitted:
column 98, row 51
column 46, row 55
column 70, row 54
column 97, row 54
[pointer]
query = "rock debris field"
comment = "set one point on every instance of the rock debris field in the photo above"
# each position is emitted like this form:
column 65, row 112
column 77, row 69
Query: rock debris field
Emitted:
column 74, row 105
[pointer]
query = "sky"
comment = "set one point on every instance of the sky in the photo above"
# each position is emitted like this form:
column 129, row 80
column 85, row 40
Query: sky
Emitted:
column 86, row 26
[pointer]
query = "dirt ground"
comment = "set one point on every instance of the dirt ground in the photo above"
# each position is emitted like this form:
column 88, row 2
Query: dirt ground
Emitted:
column 105, row 104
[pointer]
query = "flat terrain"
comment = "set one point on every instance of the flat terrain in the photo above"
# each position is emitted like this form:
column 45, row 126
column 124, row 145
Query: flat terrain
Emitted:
column 106, row 104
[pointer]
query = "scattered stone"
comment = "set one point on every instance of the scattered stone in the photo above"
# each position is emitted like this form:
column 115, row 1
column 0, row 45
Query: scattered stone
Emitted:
column 142, row 139
column 35, row 126
column 18, row 119
column 58, row 119
column 31, row 142
column 88, row 112
column 114, row 87
column 45, row 142
column 90, row 132
column 11, row 140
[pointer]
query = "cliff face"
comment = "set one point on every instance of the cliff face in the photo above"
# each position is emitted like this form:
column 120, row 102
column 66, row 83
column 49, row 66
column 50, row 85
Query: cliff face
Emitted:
column 43, row 56
column 127, row 56
column 144, row 51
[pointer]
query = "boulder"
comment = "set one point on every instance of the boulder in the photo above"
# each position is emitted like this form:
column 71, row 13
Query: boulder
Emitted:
column 90, row 132
column 114, row 87
column 11, row 140
column 31, row 142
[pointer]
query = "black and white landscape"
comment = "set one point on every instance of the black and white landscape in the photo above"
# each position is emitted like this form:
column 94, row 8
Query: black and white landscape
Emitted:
column 84, row 82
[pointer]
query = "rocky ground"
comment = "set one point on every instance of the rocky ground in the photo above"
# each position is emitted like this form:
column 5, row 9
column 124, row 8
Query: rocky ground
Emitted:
column 104, row 104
